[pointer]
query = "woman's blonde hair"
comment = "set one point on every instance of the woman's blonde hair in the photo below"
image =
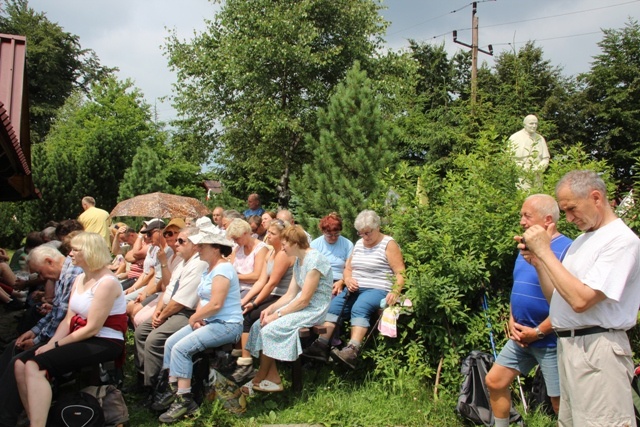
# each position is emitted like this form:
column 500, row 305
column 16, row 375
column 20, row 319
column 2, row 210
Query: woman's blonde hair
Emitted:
column 94, row 250
column 237, row 228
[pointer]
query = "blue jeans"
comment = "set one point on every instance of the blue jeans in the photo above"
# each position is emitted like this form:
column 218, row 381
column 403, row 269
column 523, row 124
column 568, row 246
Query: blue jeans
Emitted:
column 360, row 305
column 181, row 346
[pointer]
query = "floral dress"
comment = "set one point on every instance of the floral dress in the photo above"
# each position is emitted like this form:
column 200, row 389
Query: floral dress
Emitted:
column 279, row 339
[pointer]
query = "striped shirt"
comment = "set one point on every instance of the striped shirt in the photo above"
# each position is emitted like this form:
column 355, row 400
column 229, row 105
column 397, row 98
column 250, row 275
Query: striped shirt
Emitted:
column 370, row 266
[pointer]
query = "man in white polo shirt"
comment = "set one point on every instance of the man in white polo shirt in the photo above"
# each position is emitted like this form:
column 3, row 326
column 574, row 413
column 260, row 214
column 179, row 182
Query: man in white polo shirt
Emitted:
column 595, row 295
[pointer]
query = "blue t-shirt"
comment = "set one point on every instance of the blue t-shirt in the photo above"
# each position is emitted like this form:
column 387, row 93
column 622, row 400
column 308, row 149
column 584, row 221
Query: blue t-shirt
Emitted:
column 529, row 307
column 251, row 212
column 337, row 253
column 231, row 311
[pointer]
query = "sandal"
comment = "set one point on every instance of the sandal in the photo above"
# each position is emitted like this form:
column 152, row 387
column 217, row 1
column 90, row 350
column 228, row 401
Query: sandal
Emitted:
column 247, row 389
column 268, row 386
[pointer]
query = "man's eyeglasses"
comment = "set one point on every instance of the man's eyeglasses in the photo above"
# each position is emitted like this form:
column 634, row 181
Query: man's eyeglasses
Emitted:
column 168, row 233
column 365, row 234
column 181, row 241
column 331, row 233
column 150, row 232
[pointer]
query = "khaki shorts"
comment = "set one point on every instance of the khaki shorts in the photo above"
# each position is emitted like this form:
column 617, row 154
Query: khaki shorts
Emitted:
column 595, row 380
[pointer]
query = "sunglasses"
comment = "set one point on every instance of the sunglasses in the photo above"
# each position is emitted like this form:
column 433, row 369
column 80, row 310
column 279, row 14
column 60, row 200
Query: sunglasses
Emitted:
column 181, row 241
column 168, row 233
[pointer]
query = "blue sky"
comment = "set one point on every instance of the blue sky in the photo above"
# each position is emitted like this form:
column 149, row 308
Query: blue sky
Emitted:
column 128, row 34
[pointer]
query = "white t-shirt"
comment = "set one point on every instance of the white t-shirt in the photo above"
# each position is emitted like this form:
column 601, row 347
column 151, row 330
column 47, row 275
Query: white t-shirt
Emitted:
column 605, row 260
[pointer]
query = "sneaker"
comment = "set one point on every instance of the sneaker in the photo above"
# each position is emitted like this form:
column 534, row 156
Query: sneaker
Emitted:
column 183, row 406
column 163, row 401
column 317, row 351
column 348, row 355
column 243, row 373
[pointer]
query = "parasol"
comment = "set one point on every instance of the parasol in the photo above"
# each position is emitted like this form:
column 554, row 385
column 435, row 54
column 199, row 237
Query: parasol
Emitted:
column 160, row 205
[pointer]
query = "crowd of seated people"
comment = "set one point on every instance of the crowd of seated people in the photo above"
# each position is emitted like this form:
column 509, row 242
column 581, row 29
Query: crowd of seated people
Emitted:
column 252, row 282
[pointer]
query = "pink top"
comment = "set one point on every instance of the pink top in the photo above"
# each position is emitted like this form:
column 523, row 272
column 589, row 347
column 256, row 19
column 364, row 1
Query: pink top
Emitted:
column 244, row 264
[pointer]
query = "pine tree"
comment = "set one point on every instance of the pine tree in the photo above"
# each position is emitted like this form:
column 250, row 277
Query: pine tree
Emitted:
column 350, row 154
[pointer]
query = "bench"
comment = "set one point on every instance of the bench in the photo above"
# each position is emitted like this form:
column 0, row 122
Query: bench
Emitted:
column 202, row 370
column 296, row 365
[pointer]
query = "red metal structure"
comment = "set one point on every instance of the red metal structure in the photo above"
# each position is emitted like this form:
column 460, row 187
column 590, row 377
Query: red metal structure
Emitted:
column 16, row 182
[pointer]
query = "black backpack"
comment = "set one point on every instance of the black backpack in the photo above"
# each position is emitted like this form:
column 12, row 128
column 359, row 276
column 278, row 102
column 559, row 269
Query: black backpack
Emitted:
column 112, row 402
column 538, row 398
column 76, row 409
column 473, row 401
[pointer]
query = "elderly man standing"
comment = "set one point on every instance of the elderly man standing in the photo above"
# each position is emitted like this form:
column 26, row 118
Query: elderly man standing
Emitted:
column 49, row 264
column 175, row 305
column 532, row 340
column 95, row 220
column 594, row 294
column 254, row 206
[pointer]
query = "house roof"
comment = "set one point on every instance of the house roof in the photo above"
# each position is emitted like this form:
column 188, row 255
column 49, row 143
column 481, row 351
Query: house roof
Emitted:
column 16, row 181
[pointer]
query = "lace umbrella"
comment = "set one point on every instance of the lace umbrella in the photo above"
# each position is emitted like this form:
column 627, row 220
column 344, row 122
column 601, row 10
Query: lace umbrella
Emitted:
column 161, row 205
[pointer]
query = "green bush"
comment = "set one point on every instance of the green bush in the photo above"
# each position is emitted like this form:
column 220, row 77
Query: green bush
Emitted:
column 456, row 234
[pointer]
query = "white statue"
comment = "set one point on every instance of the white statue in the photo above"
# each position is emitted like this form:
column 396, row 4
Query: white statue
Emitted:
column 530, row 148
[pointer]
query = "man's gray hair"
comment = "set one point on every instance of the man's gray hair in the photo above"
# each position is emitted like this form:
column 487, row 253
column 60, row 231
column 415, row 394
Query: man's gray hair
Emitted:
column 42, row 252
column 545, row 205
column 582, row 182
column 232, row 214
column 367, row 219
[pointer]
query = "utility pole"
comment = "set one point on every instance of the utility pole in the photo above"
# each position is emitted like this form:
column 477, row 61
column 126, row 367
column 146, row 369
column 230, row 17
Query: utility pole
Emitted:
column 474, row 52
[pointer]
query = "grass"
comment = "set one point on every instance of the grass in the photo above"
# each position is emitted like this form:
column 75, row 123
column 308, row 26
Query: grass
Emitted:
column 335, row 397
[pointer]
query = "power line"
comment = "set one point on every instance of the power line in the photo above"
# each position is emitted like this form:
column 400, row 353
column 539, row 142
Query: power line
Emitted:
column 548, row 38
column 561, row 14
column 525, row 20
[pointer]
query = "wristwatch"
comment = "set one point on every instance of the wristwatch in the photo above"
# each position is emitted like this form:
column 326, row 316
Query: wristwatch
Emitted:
column 278, row 313
column 540, row 334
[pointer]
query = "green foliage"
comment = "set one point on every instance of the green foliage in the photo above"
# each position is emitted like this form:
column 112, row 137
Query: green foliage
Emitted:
column 147, row 174
column 56, row 63
column 250, row 85
column 611, row 101
column 350, row 155
column 456, row 235
column 89, row 148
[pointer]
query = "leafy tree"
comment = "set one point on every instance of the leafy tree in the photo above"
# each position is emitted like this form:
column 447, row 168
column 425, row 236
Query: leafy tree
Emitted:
column 249, row 87
column 350, row 154
column 147, row 174
column 521, row 83
column 56, row 63
column 611, row 108
column 90, row 147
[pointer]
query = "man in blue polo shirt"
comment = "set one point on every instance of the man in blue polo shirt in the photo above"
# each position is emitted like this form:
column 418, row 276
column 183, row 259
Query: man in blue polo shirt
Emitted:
column 532, row 340
column 255, row 208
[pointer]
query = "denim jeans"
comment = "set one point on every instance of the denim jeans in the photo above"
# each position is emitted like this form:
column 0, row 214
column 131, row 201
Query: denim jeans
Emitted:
column 181, row 346
column 361, row 304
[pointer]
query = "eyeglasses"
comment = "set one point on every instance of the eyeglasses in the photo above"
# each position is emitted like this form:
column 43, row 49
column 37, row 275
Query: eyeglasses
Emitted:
column 168, row 233
column 150, row 232
column 181, row 241
column 331, row 233
column 365, row 234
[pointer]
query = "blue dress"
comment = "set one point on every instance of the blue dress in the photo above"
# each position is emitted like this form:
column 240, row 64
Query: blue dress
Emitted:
column 279, row 339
